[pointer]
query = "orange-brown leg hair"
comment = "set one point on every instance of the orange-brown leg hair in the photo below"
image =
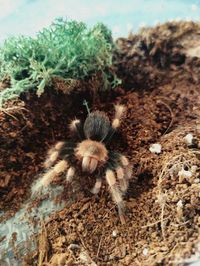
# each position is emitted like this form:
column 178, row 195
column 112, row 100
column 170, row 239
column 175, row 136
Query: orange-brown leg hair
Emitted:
column 123, row 182
column 53, row 154
column 116, row 193
column 97, row 186
column 59, row 168
column 75, row 127
column 70, row 174
column 127, row 167
column 119, row 112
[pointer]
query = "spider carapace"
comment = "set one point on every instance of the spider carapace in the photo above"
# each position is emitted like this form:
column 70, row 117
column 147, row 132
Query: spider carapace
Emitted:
column 88, row 145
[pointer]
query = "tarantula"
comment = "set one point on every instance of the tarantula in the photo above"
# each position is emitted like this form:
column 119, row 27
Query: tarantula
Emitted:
column 89, row 147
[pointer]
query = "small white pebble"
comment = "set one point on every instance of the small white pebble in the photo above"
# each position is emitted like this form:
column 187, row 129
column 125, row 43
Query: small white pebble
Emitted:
column 194, row 169
column 114, row 233
column 179, row 210
column 73, row 246
column 184, row 174
column 196, row 180
column 188, row 139
column 155, row 148
column 180, row 204
column 145, row 251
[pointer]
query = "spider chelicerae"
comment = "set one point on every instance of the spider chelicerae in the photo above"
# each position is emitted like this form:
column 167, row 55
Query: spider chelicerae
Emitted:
column 88, row 146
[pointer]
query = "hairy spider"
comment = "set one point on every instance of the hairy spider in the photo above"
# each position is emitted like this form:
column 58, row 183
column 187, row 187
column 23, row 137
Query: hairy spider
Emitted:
column 89, row 147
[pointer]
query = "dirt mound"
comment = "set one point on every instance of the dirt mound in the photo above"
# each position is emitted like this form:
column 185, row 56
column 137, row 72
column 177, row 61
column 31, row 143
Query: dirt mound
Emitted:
column 156, row 55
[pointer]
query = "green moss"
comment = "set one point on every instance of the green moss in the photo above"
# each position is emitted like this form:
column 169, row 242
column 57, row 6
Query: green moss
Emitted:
column 66, row 49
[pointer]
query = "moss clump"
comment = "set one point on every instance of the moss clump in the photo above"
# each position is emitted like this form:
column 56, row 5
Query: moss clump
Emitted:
column 67, row 49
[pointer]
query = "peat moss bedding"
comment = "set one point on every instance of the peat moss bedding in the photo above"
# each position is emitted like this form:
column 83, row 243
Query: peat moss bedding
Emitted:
column 26, row 133
column 162, row 206
column 162, row 225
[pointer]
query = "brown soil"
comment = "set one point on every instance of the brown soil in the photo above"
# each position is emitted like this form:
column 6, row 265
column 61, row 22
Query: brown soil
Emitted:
column 162, row 220
column 26, row 133
column 156, row 55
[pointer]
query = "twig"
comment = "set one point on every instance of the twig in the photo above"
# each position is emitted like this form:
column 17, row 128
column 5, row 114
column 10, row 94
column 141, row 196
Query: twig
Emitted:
column 7, row 113
column 43, row 245
column 171, row 113
column 162, row 219
column 180, row 224
column 109, row 211
column 15, row 108
column 84, row 255
column 152, row 224
column 99, row 245
column 86, row 105
column 82, row 242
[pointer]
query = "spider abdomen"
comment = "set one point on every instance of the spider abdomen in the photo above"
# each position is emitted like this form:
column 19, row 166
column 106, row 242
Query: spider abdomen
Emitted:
column 97, row 126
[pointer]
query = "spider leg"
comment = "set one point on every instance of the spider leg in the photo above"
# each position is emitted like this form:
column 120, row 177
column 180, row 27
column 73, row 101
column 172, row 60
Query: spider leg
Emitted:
column 53, row 154
column 70, row 174
column 128, row 172
column 119, row 111
column 124, row 160
column 58, row 168
column 123, row 182
column 116, row 193
column 75, row 128
column 127, row 167
column 97, row 186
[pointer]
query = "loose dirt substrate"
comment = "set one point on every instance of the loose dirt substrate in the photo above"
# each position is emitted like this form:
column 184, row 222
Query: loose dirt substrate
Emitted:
column 162, row 225
column 25, row 135
column 159, row 54
column 162, row 207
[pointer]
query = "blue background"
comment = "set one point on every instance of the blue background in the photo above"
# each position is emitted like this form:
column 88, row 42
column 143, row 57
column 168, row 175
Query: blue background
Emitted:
column 29, row 16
